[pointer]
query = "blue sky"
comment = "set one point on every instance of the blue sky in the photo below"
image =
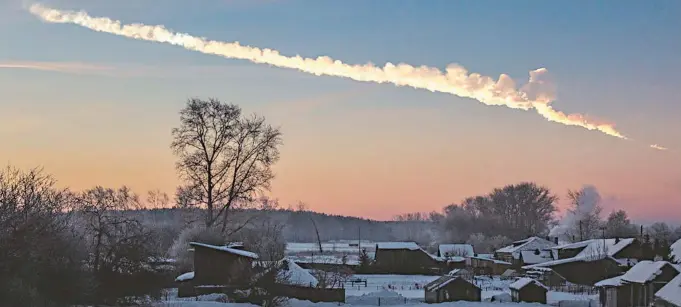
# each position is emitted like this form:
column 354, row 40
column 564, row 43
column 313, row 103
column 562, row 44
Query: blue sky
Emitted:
column 616, row 60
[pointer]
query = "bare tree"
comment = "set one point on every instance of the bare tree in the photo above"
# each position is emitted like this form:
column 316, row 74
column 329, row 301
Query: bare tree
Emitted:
column 585, row 221
column 619, row 225
column 157, row 199
column 225, row 158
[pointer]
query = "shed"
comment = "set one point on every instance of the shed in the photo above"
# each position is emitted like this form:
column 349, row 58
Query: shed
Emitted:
column 404, row 258
column 646, row 278
column 450, row 289
column 221, row 265
column 612, row 292
column 670, row 294
column 528, row 290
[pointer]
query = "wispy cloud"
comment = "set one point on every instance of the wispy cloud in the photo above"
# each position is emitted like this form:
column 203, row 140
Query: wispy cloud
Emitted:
column 64, row 67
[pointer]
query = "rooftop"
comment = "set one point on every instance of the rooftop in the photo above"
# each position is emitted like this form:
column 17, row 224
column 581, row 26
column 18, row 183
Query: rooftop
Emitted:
column 645, row 271
column 523, row 282
column 226, row 249
column 671, row 292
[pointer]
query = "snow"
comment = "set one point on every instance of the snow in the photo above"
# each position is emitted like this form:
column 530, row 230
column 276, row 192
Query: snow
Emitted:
column 185, row 276
column 398, row 245
column 592, row 250
column 645, row 271
column 610, row 282
column 675, row 254
column 531, row 243
column 531, row 257
column 295, row 275
column 409, row 286
column 671, row 292
column 521, row 283
column 227, row 249
column 386, row 297
column 460, row 250
column 492, row 260
column 456, row 259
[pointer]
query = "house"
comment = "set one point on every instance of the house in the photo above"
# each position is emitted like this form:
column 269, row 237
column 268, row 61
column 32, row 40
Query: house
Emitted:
column 405, row 258
column 487, row 266
column 646, row 278
column 590, row 261
column 511, row 253
column 454, row 255
column 670, row 294
column 218, row 266
column 450, row 289
column 528, row 290
column 537, row 256
column 638, row 286
column 463, row 273
column 612, row 292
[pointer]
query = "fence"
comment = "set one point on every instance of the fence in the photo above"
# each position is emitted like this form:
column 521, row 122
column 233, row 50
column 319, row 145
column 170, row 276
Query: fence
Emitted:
column 589, row 303
column 575, row 289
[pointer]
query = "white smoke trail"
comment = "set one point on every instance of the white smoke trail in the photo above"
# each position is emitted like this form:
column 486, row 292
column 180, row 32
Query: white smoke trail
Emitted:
column 658, row 147
column 67, row 67
column 455, row 80
column 588, row 201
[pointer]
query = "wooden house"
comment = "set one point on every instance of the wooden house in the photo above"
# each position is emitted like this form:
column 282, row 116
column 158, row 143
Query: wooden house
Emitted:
column 487, row 266
column 511, row 253
column 670, row 294
column 591, row 261
column 221, row 265
column 638, row 286
column 450, row 289
column 528, row 290
column 405, row 258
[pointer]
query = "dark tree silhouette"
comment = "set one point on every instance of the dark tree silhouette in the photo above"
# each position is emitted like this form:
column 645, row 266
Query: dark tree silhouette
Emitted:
column 224, row 158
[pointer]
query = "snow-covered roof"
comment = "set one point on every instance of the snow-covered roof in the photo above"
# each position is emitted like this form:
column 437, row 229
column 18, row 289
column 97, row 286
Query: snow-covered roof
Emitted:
column 227, row 249
column 671, row 292
column 456, row 259
column 530, row 243
column 296, row 275
column 490, row 259
column 675, row 254
column 441, row 282
column 592, row 250
column 521, row 283
column 398, row 245
column 456, row 272
column 645, row 271
column 535, row 256
column 610, row 282
column 185, row 276
column 461, row 250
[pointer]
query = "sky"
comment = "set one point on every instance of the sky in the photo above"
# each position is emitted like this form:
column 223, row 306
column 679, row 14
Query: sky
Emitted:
column 97, row 109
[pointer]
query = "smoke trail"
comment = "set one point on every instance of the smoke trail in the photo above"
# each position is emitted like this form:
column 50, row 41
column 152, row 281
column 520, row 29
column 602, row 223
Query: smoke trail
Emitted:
column 455, row 80
column 587, row 202
column 658, row 147
column 66, row 67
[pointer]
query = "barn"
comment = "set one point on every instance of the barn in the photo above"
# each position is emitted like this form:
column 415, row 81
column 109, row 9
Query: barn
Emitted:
column 528, row 290
column 450, row 289
column 405, row 258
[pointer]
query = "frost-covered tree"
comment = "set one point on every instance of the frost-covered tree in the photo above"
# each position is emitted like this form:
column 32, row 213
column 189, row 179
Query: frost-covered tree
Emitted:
column 619, row 225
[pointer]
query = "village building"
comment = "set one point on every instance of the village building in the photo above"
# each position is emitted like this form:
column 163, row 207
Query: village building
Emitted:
column 537, row 256
column 594, row 260
column 454, row 255
column 528, row 290
column 487, row 266
column 670, row 294
column 675, row 252
column 450, row 289
column 638, row 286
column 463, row 273
column 511, row 253
column 217, row 268
column 405, row 258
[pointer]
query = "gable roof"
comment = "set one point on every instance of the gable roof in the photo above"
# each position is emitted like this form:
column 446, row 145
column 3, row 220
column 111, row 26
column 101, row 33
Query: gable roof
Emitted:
column 530, row 243
column 444, row 281
column 227, row 249
column 675, row 253
column 671, row 292
column 610, row 282
column 523, row 282
column 398, row 245
column 490, row 260
column 645, row 271
column 456, row 250
column 598, row 247
column 532, row 257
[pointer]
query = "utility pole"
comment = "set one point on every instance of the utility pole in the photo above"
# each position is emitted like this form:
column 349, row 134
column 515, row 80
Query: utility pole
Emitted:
column 359, row 241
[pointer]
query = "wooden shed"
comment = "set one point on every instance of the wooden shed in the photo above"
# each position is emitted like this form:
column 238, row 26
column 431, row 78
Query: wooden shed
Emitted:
column 528, row 290
column 221, row 265
column 450, row 289
column 404, row 258
column 645, row 279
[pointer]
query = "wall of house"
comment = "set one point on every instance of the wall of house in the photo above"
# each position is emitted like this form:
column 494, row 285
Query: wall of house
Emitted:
column 405, row 261
column 588, row 273
column 532, row 294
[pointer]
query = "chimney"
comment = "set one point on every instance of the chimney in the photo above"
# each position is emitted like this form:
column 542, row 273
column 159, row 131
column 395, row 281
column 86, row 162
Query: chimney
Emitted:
column 617, row 240
column 555, row 240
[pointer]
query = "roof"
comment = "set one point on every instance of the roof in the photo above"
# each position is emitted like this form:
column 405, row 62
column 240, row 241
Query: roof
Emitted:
column 645, row 271
column 610, row 282
column 456, row 250
column 489, row 259
column 592, row 250
column 398, row 245
column 523, row 282
column 532, row 257
column 456, row 272
column 671, row 292
column 442, row 282
column 530, row 243
column 296, row 275
column 675, row 254
column 185, row 276
column 227, row 249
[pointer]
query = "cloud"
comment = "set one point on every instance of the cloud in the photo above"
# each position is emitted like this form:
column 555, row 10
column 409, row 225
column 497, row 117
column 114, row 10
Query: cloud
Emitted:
column 63, row 67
